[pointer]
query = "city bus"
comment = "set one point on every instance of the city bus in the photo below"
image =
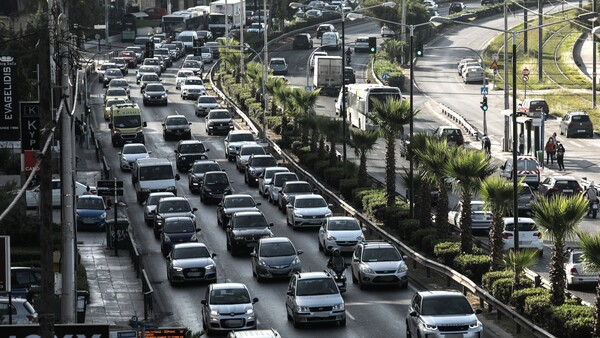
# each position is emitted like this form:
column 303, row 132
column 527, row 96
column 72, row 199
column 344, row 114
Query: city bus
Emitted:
column 360, row 98
column 180, row 21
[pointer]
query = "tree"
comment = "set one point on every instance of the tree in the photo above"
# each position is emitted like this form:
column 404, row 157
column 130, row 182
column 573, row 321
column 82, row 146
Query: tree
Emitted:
column 517, row 262
column 363, row 142
column 302, row 103
column 558, row 217
column 392, row 49
column 391, row 116
column 254, row 71
column 422, row 187
column 468, row 168
column 432, row 160
column 281, row 96
column 497, row 194
column 590, row 246
column 273, row 85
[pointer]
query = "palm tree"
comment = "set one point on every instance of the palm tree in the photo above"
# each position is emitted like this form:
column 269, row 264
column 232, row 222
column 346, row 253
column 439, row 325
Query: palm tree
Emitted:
column 273, row 85
column 517, row 262
column 392, row 49
column 332, row 130
column 590, row 246
column 432, row 160
column 558, row 217
column 363, row 142
column 468, row 168
column 497, row 194
column 422, row 187
column 391, row 116
column 254, row 71
column 303, row 103
column 281, row 96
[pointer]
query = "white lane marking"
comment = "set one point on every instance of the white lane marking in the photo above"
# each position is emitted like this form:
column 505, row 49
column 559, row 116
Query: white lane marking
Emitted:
column 350, row 315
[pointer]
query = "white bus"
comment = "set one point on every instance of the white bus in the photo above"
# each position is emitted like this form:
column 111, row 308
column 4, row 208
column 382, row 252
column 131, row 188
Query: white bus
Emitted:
column 360, row 98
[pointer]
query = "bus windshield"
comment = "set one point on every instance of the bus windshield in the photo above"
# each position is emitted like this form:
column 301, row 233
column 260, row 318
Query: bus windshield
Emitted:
column 128, row 121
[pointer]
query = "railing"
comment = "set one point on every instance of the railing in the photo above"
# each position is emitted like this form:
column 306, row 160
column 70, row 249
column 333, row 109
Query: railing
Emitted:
column 134, row 254
column 459, row 119
column 148, row 292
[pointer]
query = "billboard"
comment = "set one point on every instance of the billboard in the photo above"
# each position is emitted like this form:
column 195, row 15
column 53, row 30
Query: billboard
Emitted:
column 9, row 116
column 30, row 125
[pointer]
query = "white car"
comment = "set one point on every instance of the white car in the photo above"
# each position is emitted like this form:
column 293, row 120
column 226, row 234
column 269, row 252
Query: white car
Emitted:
column 182, row 74
column 192, row 87
column 530, row 237
column 340, row 232
column 480, row 218
column 32, row 194
column 132, row 152
column 277, row 183
column 195, row 66
column 151, row 203
column 264, row 180
column 473, row 74
column 312, row 59
column 464, row 61
column 207, row 55
column 577, row 271
column 386, row 31
column 246, row 150
column 307, row 211
column 205, row 103
column 234, row 140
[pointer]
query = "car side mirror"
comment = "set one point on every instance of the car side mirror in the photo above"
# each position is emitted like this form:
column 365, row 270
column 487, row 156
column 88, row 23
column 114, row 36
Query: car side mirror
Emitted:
column 150, row 152
column 584, row 178
column 253, row 254
column 213, row 255
column 271, row 224
column 198, row 229
column 220, row 204
column 478, row 311
column 254, row 300
column 300, row 252
column 290, row 292
column 355, row 260
column 110, row 125
column 363, row 229
column 119, row 153
column 175, row 151
column 177, row 177
column 314, row 191
column 203, row 302
column 413, row 313
column 194, row 209
column 405, row 257
column 206, row 150
column 330, row 205
column 107, row 208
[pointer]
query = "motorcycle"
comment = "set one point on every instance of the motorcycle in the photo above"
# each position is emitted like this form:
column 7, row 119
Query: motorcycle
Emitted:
column 340, row 278
column 348, row 59
column 593, row 208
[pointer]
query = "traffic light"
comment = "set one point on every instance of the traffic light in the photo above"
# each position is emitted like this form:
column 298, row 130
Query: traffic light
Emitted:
column 419, row 50
column 484, row 105
column 372, row 44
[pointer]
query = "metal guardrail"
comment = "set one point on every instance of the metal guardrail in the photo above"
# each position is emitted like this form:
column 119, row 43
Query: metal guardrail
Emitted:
column 148, row 292
column 134, row 254
column 456, row 117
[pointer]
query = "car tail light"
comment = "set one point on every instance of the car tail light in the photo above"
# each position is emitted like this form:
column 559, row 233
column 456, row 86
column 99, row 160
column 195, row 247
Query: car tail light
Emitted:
column 32, row 319
column 570, row 124
column 461, row 138
column 574, row 271
column 506, row 235
column 537, row 234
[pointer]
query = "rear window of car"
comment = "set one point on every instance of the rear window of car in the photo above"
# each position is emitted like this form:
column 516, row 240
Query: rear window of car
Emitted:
column 526, row 165
column 581, row 118
column 525, row 226
column 562, row 184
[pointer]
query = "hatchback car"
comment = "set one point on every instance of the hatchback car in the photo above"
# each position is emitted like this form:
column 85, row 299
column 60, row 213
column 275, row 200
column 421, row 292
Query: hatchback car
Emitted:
column 473, row 74
column 22, row 311
column 275, row 257
column 525, row 198
column 577, row 270
column 256, row 166
column 456, row 7
column 150, row 205
column 155, row 93
column 533, row 107
column 130, row 153
column 442, row 314
column 218, row 121
column 182, row 74
column 247, row 150
column 530, row 237
column 191, row 262
column 361, row 44
column 291, row 189
column 176, row 126
column 244, row 230
column 386, row 31
column 307, row 211
column 278, row 66
column 177, row 230
column 111, row 74
column 232, row 204
column 566, row 185
column 314, row 297
column 277, row 183
column 171, row 207
column 576, row 123
column 205, row 103
column 227, row 307
column 265, row 179
column 234, row 140
column 302, row 41
column 326, row 27
column 340, row 232
column 197, row 171
column 215, row 185
column 91, row 213
column 378, row 263
column 189, row 151
column 453, row 135
column 480, row 219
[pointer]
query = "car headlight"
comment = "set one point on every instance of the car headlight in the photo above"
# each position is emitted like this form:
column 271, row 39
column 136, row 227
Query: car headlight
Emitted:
column 209, row 267
column 360, row 238
column 429, row 326
column 167, row 239
column 194, row 238
column 172, row 188
column 329, row 214
column 231, row 148
column 296, row 261
column 182, row 158
column 402, row 267
column 146, row 94
column 238, row 238
column 228, row 189
column 178, row 269
column 302, row 309
column 124, row 159
column 207, row 188
column 145, row 190
column 249, row 311
column 214, row 312
column 163, row 96
column 338, row 307
column 261, row 262
column 366, row 269
column 475, row 325
column 297, row 214
column 331, row 238
column 103, row 215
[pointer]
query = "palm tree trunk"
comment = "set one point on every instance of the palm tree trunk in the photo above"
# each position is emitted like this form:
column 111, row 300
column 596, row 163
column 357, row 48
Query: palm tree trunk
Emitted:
column 496, row 242
column 362, row 170
column 390, row 170
column 557, row 273
column 423, row 204
column 441, row 216
column 597, row 317
column 466, row 237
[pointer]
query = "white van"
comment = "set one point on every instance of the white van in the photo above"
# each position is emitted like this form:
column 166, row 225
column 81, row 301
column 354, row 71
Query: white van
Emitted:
column 188, row 38
column 153, row 175
column 330, row 40
column 528, row 169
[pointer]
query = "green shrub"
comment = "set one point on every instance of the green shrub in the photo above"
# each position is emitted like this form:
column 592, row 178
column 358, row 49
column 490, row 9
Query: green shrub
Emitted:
column 274, row 124
column 430, row 237
column 571, row 321
column 357, row 197
column 333, row 175
column 396, row 79
column 309, row 159
column 296, row 145
column 538, row 309
column 319, row 167
column 472, row 265
column 373, row 201
column 392, row 216
column 445, row 252
column 490, row 277
column 517, row 300
column 407, row 227
column 347, row 185
column 502, row 289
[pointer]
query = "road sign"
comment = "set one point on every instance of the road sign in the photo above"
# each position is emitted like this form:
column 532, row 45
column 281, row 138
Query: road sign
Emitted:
column 494, row 65
column 525, row 78
column 109, row 192
column 308, row 88
column 385, row 76
column 495, row 71
column 109, row 184
column 525, row 72
column 495, row 57
column 99, row 26
column 97, row 36
column 484, row 90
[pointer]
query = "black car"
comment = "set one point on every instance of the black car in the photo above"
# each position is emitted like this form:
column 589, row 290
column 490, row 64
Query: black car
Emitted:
column 155, row 93
column 245, row 229
column 218, row 121
column 232, row 204
column 215, row 185
column 196, row 173
column 456, row 7
column 349, row 75
column 189, row 151
column 303, row 41
column 256, row 166
column 121, row 64
column 110, row 74
column 177, row 230
column 176, row 126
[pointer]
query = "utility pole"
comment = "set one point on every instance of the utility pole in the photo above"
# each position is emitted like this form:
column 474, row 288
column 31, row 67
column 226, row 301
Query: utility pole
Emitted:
column 45, row 308
column 540, row 38
column 242, row 55
column 403, row 36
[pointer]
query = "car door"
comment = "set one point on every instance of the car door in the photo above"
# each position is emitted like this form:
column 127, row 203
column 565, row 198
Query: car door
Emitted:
column 354, row 265
column 564, row 124
column 290, row 298
column 413, row 324
column 205, row 307
column 322, row 232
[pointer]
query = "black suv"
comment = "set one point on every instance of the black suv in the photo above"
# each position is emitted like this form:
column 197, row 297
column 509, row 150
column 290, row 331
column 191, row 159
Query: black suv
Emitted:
column 303, row 41
column 256, row 166
column 245, row 229
column 349, row 75
column 196, row 173
column 171, row 207
column 215, row 185
column 189, row 151
column 456, row 7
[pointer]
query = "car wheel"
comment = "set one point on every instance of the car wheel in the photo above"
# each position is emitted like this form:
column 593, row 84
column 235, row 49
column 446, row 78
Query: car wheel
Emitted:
column 342, row 322
column 287, row 221
column 139, row 199
column 246, row 179
column 354, row 280
column 202, row 197
column 408, row 335
column 360, row 283
column 228, row 245
column 561, row 131
column 295, row 322
column 156, row 233
column 567, row 133
column 269, row 199
column 321, row 248
column 569, row 286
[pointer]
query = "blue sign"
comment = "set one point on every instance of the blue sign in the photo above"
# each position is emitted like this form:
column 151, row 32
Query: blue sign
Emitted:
column 484, row 90
column 495, row 71
column 309, row 88
column 385, row 76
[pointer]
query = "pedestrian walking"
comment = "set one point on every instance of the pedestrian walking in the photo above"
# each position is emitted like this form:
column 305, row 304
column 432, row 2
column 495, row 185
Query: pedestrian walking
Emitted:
column 487, row 145
column 550, row 151
column 560, row 156
column 78, row 131
column 521, row 143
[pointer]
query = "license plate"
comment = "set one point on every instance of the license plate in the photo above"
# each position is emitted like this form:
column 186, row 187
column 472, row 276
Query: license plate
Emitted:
column 234, row 323
column 194, row 274
column 581, row 131
column 321, row 314
column 454, row 335
column 568, row 190
column 524, row 242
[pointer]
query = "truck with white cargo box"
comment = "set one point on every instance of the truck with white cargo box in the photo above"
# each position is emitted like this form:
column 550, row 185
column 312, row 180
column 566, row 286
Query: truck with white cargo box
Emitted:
column 235, row 11
column 328, row 74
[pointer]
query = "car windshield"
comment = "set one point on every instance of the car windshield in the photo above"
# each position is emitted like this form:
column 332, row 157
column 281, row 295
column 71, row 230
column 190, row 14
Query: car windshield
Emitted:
column 174, row 206
column 113, row 102
column 477, row 207
column 193, row 252
column 311, row 203
column 446, row 306
column 229, row 296
column 153, row 200
column 146, row 69
column 216, row 179
column 305, row 187
column 239, row 202
column 194, row 82
column 526, row 165
column 381, row 255
column 191, row 64
column 113, row 72
column 277, row 62
column 90, row 203
column 185, row 74
column 343, row 224
column 153, row 62
column 204, row 167
column 566, row 184
column 116, row 92
column 127, row 121
column 523, row 226
column 256, row 150
column 316, row 286
column 251, row 221
column 578, row 257
column 264, row 162
column 277, row 249
column 176, row 121
column 135, row 149
column 219, row 114
column 178, row 226
column 241, row 137
column 279, row 180
column 207, row 99
column 581, row 118
column 118, row 83
column 271, row 173
column 158, row 172
column 192, row 148
column 155, row 88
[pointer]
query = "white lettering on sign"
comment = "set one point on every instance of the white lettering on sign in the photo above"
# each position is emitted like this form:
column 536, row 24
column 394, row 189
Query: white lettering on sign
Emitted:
column 8, row 103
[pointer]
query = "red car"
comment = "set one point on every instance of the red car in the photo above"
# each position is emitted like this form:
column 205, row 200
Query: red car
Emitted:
column 130, row 57
column 155, row 13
